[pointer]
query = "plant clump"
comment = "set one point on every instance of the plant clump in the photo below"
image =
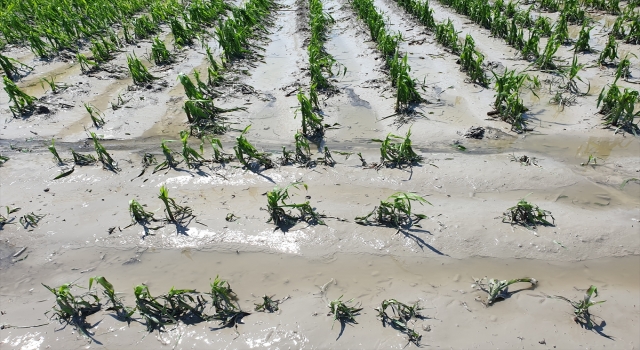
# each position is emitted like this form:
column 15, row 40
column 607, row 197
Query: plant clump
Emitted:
column 395, row 211
column 527, row 214
column 581, row 307
column 246, row 152
column 280, row 211
column 399, row 317
column 394, row 153
column 343, row 312
column 174, row 212
column 498, row 289
column 72, row 308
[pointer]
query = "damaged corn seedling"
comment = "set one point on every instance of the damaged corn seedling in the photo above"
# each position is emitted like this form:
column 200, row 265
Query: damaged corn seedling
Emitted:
column 148, row 160
column 471, row 62
column 545, row 61
column 86, row 65
column 73, row 309
column 582, row 44
column 610, row 52
column 53, row 86
column 303, row 150
column 246, row 152
column 13, row 68
column 138, row 214
column 224, row 303
column 268, row 304
column 395, row 211
column 508, row 104
column 104, row 156
column 312, row 126
column 528, row 215
column 138, row 71
column 343, row 312
column 83, row 159
column 159, row 53
column 581, row 307
column 401, row 314
column 177, row 304
column 624, row 68
column 22, row 103
column 280, row 211
column 394, row 153
column 406, row 93
column 174, row 212
column 219, row 156
column 122, row 312
column 31, row 219
column 97, row 117
column 497, row 289
column 54, row 151
column 190, row 155
column 618, row 107
column 327, row 158
column 169, row 157
column 571, row 74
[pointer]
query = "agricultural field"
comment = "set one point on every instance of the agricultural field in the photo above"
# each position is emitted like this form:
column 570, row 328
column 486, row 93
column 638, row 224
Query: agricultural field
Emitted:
column 325, row 174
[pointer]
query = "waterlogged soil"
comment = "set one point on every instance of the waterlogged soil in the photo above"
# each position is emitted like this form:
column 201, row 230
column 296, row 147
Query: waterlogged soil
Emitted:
column 85, row 230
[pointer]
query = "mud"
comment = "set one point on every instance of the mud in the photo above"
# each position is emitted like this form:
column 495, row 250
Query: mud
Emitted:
column 595, row 239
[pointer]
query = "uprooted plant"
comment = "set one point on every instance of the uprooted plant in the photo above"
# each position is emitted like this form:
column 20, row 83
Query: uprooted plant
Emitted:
column 73, row 309
column 401, row 314
column 31, row 219
column 498, row 289
column 343, row 312
column 395, row 211
column 581, row 307
column 174, row 212
column 397, row 153
column 280, row 211
column 528, row 215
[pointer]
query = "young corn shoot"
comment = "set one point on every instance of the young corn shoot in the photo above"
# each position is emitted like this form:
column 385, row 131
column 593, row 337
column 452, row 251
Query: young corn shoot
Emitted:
column 246, row 152
column 104, row 156
column 343, row 312
column 22, row 102
column 397, row 154
column 97, row 117
column 174, row 212
column 581, row 307
column 138, row 71
column 499, row 289
column 528, row 215
column 279, row 210
column 400, row 316
column 395, row 211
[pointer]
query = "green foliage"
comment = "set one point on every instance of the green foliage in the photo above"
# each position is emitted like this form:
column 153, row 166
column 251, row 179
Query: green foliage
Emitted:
column 73, row 309
column 190, row 155
column 138, row 214
column 447, row 36
column 400, row 316
column 122, row 312
column 224, row 303
column 13, row 68
column 343, row 312
column 395, row 211
column 406, row 93
column 471, row 62
column 30, row 220
column 546, row 61
column 56, row 156
column 279, row 210
column 582, row 44
column 138, row 71
column 83, row 159
column 22, row 102
column 618, row 107
column 268, row 304
column 174, row 212
column 246, row 152
column 159, row 53
column 144, row 27
column 97, row 117
column 581, row 307
column 168, row 308
column 610, row 51
column 400, row 153
column 312, row 126
column 104, row 156
column 169, row 156
column 528, row 215
column 508, row 104
column 499, row 289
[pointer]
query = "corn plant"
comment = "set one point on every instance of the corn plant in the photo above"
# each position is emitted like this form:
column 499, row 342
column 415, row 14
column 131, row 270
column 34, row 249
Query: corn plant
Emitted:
column 169, row 155
column 395, row 211
column 471, row 62
column 545, row 61
column 144, row 27
column 224, row 303
column 542, row 26
column 528, row 215
column 400, row 153
column 83, row 159
column 103, row 50
column 51, row 83
column 54, row 151
column 582, row 44
column 246, row 152
column 138, row 214
column 73, row 309
column 498, row 289
column 104, row 156
column 303, row 150
column 561, row 29
column 633, row 35
column 610, row 52
column 190, row 155
column 581, row 307
column 447, row 36
column 159, row 53
column 219, row 156
column 327, row 158
column 97, row 117
column 343, row 312
column 508, row 104
column 138, row 71
column 280, row 211
column 618, row 107
column 406, row 87
column 268, row 304
column 174, row 212
column 86, row 65
column 530, row 49
column 31, row 219
column 183, row 34
column 22, row 102
column 573, row 12
column 168, row 308
column 571, row 74
column 122, row 312
column 13, row 68
column 401, row 314
column 312, row 126
column 624, row 68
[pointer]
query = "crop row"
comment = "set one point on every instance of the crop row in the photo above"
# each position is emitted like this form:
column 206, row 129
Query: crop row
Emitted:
column 221, row 304
column 388, row 45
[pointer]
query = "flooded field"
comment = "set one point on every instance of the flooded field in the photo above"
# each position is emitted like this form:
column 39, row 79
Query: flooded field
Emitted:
column 70, row 219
